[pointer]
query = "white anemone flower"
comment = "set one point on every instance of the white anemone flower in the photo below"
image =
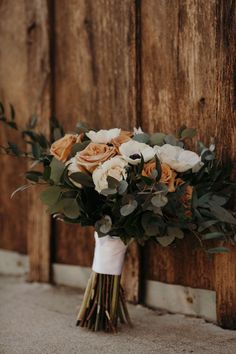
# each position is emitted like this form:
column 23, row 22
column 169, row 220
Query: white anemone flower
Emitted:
column 132, row 151
column 103, row 136
column 138, row 131
column 177, row 158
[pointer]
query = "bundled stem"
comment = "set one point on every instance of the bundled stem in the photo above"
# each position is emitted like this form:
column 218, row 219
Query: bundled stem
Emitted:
column 103, row 304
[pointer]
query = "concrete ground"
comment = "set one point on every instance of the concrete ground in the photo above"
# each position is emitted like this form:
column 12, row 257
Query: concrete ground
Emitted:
column 40, row 319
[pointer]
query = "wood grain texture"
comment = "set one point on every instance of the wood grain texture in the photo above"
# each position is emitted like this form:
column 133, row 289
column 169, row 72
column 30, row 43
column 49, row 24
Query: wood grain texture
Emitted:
column 25, row 82
column 39, row 91
column 188, row 63
column 95, row 75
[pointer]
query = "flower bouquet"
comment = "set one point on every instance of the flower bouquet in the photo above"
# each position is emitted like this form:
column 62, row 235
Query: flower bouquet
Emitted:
column 129, row 186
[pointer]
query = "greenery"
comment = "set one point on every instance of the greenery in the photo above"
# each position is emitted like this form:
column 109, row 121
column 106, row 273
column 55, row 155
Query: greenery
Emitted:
column 137, row 206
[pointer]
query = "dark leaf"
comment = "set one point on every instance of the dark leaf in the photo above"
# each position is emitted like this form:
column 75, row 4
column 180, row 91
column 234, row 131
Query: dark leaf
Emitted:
column 218, row 250
column 70, row 208
column 112, row 182
column 57, row 168
column 188, row 133
column 212, row 235
column 33, row 176
column 50, row 195
column 165, row 240
column 36, row 150
column 221, row 213
column 82, row 178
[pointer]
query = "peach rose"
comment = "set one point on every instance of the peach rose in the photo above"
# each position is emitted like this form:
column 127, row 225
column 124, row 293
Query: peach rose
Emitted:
column 93, row 155
column 61, row 148
column 167, row 174
column 186, row 200
column 186, row 197
column 122, row 138
column 148, row 168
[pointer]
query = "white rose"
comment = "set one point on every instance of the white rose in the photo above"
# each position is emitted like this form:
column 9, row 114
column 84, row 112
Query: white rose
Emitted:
column 103, row 136
column 132, row 151
column 115, row 167
column 177, row 158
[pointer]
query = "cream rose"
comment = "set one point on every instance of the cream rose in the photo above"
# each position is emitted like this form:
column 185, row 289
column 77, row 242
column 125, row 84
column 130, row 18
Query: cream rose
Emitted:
column 115, row 167
column 61, row 148
column 73, row 167
column 132, row 151
column 177, row 158
column 93, row 155
column 103, row 136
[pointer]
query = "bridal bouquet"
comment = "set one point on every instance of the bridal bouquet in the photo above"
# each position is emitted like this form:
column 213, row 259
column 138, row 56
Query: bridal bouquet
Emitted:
column 129, row 185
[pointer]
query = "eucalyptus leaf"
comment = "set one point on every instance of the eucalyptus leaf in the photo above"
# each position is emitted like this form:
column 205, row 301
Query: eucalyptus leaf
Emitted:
column 157, row 139
column 165, row 240
column 175, row 232
column 221, row 213
column 50, row 195
column 141, row 138
column 219, row 199
column 122, row 187
column 171, row 139
column 206, row 224
column 36, row 150
column 218, row 250
column 103, row 225
column 159, row 200
column 57, row 168
column 128, row 208
column 188, row 133
column 70, row 208
column 212, row 235
column 112, row 182
column 109, row 191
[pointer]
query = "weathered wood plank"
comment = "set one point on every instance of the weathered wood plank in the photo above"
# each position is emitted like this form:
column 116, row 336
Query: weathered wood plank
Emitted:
column 187, row 77
column 25, row 82
column 95, row 73
column 225, row 265
column 13, row 232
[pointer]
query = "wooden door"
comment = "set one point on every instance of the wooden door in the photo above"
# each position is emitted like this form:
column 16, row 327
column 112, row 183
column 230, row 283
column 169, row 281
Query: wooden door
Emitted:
column 109, row 63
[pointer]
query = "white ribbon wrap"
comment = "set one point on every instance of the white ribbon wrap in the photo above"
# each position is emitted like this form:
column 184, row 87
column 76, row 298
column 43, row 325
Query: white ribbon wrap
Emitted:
column 109, row 255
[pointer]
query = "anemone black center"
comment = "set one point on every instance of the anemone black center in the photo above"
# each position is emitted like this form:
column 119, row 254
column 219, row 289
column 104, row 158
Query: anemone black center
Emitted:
column 135, row 156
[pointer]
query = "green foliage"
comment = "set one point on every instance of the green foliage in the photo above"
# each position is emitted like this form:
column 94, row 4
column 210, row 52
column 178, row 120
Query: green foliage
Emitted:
column 138, row 206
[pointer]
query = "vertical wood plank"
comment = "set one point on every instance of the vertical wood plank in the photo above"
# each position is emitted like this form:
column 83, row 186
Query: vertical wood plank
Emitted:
column 25, row 82
column 187, row 78
column 225, row 265
column 94, row 82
